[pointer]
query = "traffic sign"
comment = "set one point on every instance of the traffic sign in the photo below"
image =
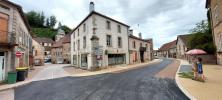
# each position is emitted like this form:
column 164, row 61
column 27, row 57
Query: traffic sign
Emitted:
column 18, row 54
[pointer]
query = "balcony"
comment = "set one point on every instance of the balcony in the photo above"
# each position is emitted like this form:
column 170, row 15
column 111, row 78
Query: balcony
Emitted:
column 7, row 39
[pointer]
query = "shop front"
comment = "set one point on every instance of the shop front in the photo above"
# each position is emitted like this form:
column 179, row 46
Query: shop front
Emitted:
column 116, row 59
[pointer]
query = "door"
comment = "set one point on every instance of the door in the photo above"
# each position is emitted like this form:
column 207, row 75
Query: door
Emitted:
column 2, row 66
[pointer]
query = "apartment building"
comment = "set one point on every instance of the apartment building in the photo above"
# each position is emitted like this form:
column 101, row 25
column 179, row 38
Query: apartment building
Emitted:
column 99, row 41
column 215, row 17
column 15, row 38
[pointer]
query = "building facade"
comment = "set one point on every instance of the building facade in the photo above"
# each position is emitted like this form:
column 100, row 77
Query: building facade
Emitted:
column 215, row 17
column 15, row 39
column 168, row 50
column 61, row 50
column 182, row 46
column 47, row 44
column 140, row 50
column 99, row 41
column 38, row 53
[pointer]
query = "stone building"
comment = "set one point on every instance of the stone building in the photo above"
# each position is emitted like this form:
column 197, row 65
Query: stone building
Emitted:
column 168, row 50
column 47, row 44
column 38, row 53
column 99, row 41
column 182, row 46
column 215, row 17
column 15, row 38
column 61, row 50
column 140, row 49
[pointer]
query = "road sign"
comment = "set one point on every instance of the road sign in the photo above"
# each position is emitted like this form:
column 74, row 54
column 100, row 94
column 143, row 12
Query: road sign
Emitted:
column 18, row 54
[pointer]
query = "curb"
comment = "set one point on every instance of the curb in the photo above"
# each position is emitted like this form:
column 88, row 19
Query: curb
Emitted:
column 2, row 88
column 180, row 85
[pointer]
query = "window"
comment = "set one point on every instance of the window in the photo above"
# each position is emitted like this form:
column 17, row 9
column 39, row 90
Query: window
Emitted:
column 78, row 32
column 146, row 45
column 119, row 42
column 45, row 44
column 141, row 44
column 74, row 46
column 108, row 40
column 108, row 25
column 84, row 27
column 74, row 35
column 50, row 44
column 84, row 42
column 78, row 43
column 119, row 28
column 134, row 44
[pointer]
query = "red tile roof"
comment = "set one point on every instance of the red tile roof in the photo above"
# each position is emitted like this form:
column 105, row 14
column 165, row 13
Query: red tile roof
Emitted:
column 65, row 39
column 168, row 46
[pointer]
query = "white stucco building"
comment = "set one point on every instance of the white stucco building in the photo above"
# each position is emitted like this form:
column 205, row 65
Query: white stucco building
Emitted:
column 99, row 41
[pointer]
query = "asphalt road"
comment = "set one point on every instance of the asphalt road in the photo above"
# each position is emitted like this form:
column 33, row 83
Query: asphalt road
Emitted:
column 137, row 84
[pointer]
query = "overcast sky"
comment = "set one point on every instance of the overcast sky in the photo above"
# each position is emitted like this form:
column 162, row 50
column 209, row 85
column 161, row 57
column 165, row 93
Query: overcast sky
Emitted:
column 161, row 20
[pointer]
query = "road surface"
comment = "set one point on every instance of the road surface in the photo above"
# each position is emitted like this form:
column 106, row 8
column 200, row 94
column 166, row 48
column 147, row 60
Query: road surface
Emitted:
column 137, row 84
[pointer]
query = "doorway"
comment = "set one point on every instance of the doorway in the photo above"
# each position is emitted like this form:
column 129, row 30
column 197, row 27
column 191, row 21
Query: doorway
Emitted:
column 2, row 66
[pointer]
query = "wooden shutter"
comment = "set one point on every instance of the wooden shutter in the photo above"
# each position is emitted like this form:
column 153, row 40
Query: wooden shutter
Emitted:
column 3, row 28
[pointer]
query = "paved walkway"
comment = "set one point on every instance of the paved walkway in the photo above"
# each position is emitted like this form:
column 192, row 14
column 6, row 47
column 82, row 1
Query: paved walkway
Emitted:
column 51, row 71
column 211, row 89
column 169, row 71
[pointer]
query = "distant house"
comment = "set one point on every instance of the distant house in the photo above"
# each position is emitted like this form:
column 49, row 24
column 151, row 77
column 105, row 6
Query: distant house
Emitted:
column 182, row 45
column 168, row 50
column 46, row 43
column 38, row 53
column 140, row 49
column 215, row 17
column 61, row 50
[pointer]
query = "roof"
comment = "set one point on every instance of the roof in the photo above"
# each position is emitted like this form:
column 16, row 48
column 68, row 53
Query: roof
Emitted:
column 168, row 46
column 43, row 40
column 94, row 12
column 184, row 38
column 20, row 11
column 134, row 37
column 65, row 39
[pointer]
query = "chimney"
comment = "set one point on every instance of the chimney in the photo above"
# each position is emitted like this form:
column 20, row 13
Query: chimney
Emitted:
column 140, row 35
column 130, row 32
column 91, row 6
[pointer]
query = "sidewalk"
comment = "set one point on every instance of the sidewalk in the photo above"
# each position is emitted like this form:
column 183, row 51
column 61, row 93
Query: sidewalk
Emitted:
column 31, row 74
column 211, row 89
column 115, row 69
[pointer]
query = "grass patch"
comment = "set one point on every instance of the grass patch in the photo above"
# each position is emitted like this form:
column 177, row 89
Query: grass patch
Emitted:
column 190, row 76
column 186, row 75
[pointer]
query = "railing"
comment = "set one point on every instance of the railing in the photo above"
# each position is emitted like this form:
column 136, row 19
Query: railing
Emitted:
column 7, row 38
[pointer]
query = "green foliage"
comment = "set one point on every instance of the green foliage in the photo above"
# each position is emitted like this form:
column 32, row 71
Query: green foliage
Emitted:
column 201, row 38
column 53, row 21
column 44, row 32
column 35, row 19
column 66, row 29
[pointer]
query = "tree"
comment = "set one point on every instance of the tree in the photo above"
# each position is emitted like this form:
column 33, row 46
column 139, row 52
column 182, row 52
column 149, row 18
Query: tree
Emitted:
column 35, row 19
column 201, row 38
column 52, row 21
column 66, row 29
column 47, row 23
column 42, row 19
